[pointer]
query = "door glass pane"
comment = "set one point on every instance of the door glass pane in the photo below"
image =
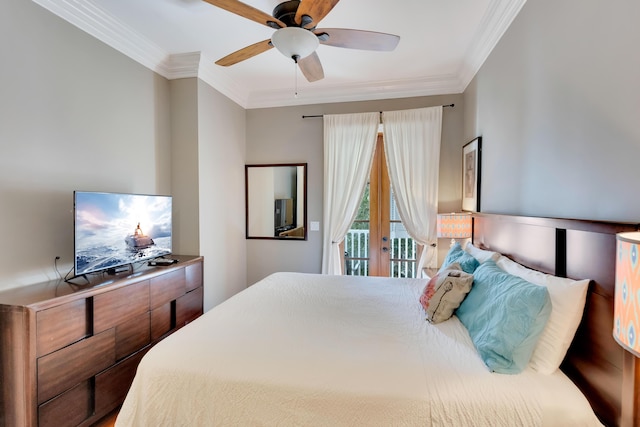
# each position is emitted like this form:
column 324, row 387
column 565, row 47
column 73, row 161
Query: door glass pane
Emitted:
column 403, row 247
column 356, row 243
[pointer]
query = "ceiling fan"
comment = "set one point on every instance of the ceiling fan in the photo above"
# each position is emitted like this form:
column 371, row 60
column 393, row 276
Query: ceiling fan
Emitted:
column 296, row 35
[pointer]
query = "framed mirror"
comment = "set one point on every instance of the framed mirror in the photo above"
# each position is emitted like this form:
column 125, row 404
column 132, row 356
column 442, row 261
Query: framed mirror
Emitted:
column 276, row 201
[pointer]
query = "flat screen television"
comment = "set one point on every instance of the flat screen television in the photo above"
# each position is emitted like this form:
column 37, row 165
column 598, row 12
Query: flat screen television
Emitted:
column 113, row 230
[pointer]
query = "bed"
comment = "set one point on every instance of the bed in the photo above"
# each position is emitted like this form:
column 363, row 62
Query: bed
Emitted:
column 304, row 349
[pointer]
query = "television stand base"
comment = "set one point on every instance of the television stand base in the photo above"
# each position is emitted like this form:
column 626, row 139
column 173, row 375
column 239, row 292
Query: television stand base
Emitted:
column 117, row 270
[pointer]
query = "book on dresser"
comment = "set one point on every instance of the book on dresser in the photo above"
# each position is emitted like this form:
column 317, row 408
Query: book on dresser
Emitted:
column 68, row 353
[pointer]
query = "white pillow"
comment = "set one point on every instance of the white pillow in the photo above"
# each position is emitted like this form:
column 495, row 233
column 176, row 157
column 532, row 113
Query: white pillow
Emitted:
column 482, row 255
column 567, row 304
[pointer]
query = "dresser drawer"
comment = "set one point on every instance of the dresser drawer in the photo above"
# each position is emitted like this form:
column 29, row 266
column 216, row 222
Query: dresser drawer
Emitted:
column 113, row 384
column 161, row 321
column 68, row 409
column 193, row 274
column 167, row 287
column 60, row 326
column 131, row 336
column 59, row 371
column 118, row 306
column 188, row 307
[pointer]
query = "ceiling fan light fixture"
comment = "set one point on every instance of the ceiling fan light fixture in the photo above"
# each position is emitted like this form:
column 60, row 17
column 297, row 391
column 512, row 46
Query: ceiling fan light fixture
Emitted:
column 295, row 42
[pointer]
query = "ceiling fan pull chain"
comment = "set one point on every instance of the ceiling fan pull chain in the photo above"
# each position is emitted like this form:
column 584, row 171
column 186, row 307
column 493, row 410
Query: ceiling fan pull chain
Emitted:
column 295, row 73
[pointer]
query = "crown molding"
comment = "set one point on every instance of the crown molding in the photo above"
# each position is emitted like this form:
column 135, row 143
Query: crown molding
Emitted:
column 500, row 14
column 181, row 65
column 95, row 21
column 438, row 85
column 220, row 79
column 106, row 28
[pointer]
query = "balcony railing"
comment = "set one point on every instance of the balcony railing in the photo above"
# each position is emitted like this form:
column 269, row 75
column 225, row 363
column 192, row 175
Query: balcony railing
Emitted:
column 356, row 247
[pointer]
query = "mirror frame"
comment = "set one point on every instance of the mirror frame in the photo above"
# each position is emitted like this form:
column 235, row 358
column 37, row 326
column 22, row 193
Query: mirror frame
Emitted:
column 304, row 201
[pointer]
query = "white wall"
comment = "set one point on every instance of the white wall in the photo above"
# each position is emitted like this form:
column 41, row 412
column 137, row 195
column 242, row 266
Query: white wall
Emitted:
column 558, row 105
column 260, row 190
column 281, row 135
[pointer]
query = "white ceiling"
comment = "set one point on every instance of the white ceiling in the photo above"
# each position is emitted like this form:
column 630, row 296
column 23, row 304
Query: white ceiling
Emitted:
column 442, row 45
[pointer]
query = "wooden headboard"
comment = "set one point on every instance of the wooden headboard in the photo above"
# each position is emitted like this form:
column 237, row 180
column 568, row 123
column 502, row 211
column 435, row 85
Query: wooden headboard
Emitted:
column 578, row 249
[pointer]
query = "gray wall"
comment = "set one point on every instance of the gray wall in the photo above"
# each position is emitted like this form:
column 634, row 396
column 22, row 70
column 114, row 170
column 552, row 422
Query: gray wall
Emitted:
column 74, row 115
column 184, row 164
column 558, row 105
column 221, row 154
column 281, row 135
column 77, row 115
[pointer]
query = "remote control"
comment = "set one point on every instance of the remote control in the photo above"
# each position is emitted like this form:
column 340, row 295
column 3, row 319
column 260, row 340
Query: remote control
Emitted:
column 162, row 262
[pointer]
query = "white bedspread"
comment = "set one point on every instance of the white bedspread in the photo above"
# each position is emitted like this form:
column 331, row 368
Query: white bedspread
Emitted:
column 312, row 350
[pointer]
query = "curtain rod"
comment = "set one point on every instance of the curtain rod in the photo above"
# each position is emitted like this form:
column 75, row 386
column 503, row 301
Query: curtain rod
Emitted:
column 321, row 115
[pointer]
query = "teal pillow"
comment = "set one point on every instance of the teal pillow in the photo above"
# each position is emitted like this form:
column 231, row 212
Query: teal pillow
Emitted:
column 468, row 263
column 505, row 316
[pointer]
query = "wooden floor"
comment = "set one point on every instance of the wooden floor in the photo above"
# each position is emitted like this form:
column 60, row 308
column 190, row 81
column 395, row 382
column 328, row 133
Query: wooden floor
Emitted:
column 108, row 421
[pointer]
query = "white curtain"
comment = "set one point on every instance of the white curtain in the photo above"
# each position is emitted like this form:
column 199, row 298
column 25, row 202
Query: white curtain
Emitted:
column 349, row 144
column 412, row 148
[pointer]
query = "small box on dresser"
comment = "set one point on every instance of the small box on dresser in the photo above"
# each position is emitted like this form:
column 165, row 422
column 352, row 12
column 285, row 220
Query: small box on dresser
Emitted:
column 68, row 353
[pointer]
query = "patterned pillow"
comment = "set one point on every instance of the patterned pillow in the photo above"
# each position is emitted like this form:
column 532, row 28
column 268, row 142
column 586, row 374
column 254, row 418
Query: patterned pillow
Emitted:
column 444, row 293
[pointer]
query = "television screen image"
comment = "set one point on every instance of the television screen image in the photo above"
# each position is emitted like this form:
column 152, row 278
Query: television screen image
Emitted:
column 113, row 229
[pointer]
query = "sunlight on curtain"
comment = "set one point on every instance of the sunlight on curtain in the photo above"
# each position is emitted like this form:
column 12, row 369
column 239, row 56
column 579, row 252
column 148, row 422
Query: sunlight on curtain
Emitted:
column 349, row 143
column 412, row 147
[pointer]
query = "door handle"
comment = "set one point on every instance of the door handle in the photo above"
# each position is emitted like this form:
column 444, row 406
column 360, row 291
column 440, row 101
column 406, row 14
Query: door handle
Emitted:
column 385, row 249
column 385, row 239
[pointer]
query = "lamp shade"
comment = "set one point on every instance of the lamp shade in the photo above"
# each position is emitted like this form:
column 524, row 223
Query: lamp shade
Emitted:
column 626, row 312
column 454, row 225
column 295, row 42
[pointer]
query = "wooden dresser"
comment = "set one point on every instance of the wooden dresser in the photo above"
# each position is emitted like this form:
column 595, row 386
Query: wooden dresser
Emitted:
column 68, row 353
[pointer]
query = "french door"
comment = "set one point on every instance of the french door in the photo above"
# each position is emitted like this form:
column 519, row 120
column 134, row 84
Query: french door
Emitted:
column 377, row 243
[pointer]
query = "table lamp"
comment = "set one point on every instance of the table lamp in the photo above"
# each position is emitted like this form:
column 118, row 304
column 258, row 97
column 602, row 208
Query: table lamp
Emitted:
column 626, row 321
column 454, row 225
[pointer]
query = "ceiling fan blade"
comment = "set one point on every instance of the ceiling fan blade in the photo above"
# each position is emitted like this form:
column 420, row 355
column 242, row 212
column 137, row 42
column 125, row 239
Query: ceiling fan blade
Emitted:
column 315, row 9
column 357, row 39
column 311, row 67
column 246, row 11
column 245, row 53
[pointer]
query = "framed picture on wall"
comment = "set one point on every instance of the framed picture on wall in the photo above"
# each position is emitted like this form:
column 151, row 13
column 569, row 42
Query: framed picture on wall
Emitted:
column 471, row 165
